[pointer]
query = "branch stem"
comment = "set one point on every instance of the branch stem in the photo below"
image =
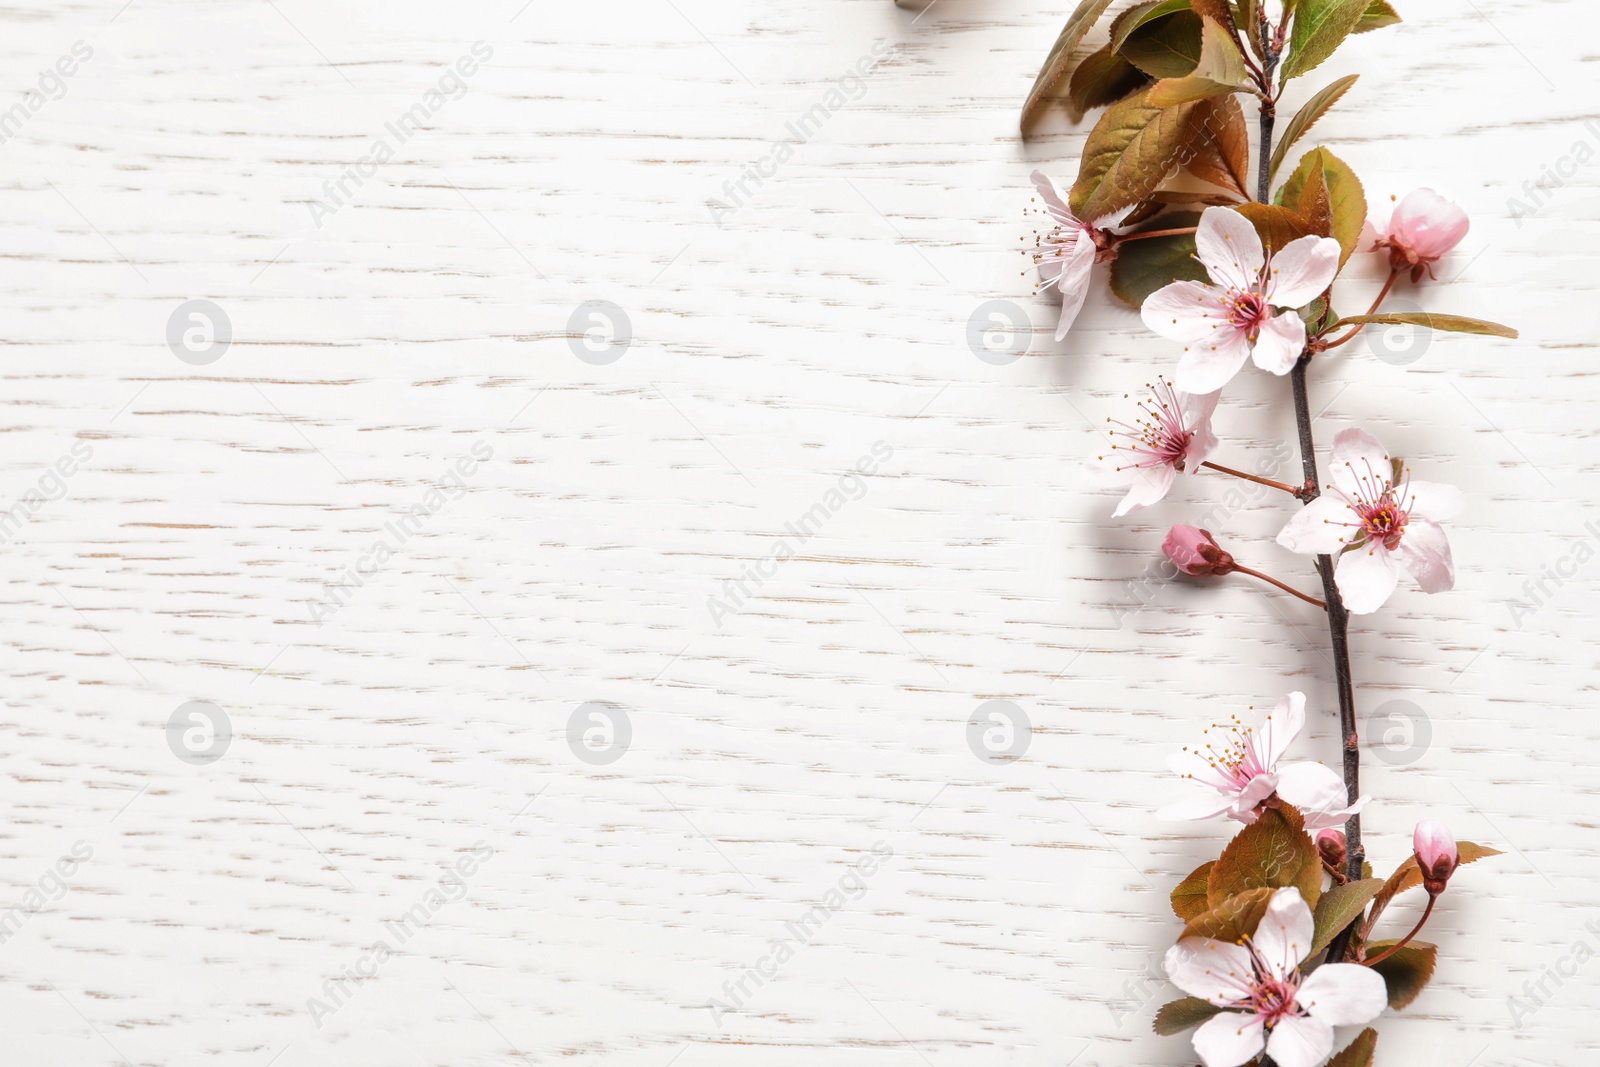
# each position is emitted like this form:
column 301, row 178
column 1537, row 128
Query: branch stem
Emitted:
column 1393, row 274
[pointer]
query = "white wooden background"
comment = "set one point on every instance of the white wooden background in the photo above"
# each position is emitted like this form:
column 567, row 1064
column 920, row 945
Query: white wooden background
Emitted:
column 1021, row 915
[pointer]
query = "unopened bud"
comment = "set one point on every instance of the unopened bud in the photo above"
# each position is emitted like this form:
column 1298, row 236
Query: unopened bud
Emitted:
column 1194, row 552
column 1331, row 844
column 1437, row 855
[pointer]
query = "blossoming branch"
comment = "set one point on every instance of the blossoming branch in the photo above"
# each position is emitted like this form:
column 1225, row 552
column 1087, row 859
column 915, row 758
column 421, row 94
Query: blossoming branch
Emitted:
column 1236, row 267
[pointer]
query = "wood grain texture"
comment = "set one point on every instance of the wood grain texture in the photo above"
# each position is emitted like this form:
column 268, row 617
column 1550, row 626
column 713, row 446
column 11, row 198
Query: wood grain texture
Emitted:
column 1020, row 917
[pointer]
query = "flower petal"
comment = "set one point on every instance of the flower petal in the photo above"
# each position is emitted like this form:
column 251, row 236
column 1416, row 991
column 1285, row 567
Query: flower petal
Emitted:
column 1186, row 312
column 1147, row 486
column 1055, row 201
column 1279, row 343
column 1425, row 552
column 1218, row 972
column 1229, row 1040
column 1300, row 1041
column 1205, row 806
column 1283, row 724
column 1077, row 271
column 1322, row 527
column 1301, row 270
column 1431, row 500
column 1358, row 465
column 1209, row 365
column 1229, row 248
column 1285, row 934
column 1343, row 994
column 1318, row 794
column 1427, row 223
column 1366, row 576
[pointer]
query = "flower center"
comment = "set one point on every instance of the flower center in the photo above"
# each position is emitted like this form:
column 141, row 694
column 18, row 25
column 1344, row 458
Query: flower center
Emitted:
column 1159, row 437
column 1271, row 997
column 1235, row 755
column 1383, row 520
column 1247, row 310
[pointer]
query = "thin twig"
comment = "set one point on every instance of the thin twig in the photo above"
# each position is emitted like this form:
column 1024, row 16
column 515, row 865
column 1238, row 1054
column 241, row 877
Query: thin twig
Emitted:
column 1292, row 490
column 1252, row 572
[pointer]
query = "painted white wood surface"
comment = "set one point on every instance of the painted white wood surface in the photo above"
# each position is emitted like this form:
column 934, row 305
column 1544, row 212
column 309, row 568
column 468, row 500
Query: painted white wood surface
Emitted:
column 1024, row 905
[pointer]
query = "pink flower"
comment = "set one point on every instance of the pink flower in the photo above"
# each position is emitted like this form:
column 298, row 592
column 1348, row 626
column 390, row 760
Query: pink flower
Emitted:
column 1223, row 324
column 1270, row 1003
column 1195, row 553
column 1066, row 255
column 1376, row 525
column 1423, row 227
column 1437, row 856
column 1171, row 436
column 1244, row 771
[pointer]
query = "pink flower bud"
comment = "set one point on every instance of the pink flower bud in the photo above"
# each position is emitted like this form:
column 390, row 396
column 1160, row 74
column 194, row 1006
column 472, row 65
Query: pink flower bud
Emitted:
column 1331, row 844
column 1195, row 553
column 1423, row 228
column 1436, row 855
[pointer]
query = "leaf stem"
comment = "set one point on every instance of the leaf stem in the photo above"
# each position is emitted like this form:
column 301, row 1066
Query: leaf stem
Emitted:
column 1242, row 569
column 1290, row 489
column 1400, row 944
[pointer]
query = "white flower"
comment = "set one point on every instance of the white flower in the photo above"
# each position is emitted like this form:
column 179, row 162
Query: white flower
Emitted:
column 1241, row 770
column 1065, row 255
column 1269, row 1002
column 1223, row 324
column 1376, row 526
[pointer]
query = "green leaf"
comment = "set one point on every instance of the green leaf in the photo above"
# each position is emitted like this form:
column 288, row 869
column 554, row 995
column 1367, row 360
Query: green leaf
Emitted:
column 1338, row 908
column 1142, row 14
column 1407, row 972
column 1167, row 46
column 1359, row 1052
column 1346, row 197
column 1232, row 919
column 1055, row 64
column 1189, row 899
column 1128, row 153
column 1222, row 148
column 1379, row 14
column 1220, row 69
column 1275, row 225
column 1249, row 22
column 1102, row 78
column 1272, row 852
column 1319, row 28
column 1306, row 116
column 1143, row 266
column 1452, row 323
column 1181, row 1015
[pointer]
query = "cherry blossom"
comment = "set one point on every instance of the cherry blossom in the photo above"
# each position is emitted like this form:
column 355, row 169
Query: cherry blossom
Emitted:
column 1242, row 769
column 1378, row 523
column 1171, row 435
column 1066, row 254
column 1231, row 320
column 1269, row 1002
column 1422, row 228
